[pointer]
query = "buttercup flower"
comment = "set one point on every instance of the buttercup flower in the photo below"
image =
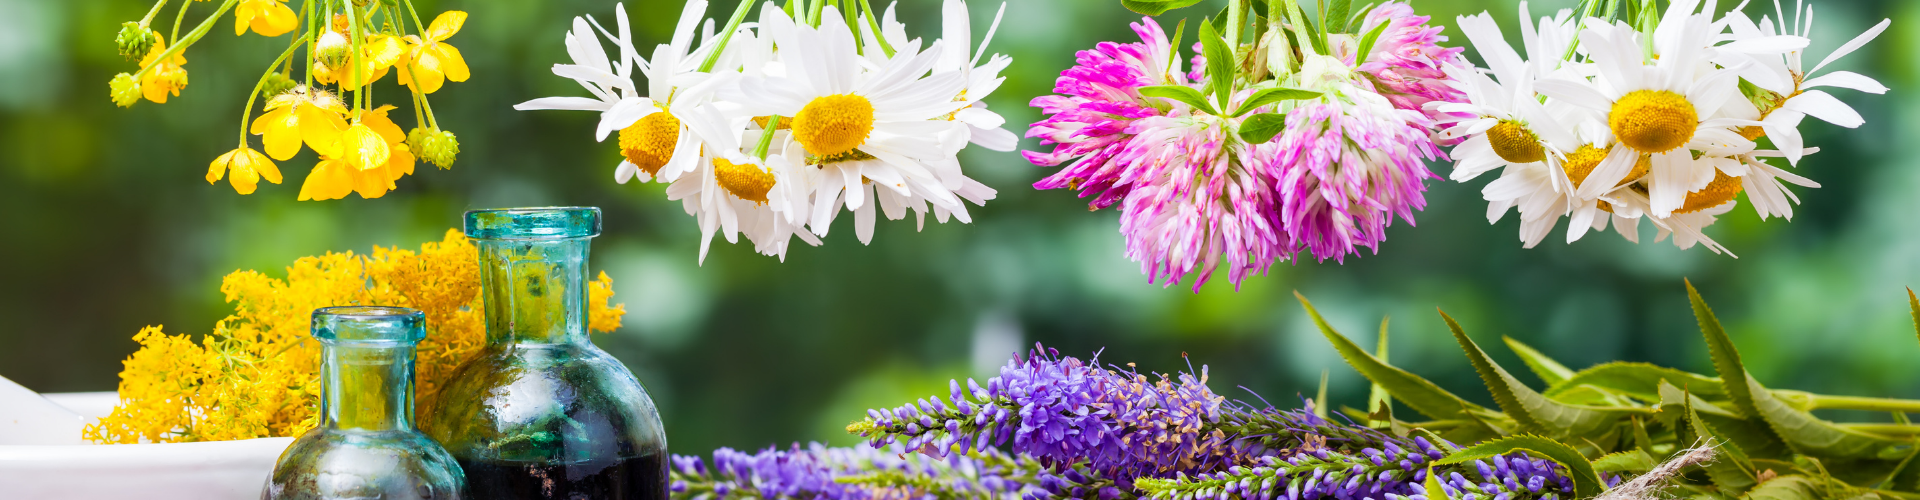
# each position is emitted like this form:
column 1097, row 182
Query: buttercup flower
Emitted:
column 429, row 61
column 265, row 17
column 246, row 168
column 162, row 78
column 312, row 116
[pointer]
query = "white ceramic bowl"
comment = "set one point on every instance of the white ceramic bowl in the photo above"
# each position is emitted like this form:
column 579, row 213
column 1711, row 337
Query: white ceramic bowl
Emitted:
column 43, row 457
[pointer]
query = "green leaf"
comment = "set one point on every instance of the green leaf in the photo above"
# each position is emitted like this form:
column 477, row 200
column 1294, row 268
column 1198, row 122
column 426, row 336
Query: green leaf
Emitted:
column 1435, row 489
column 1753, row 436
column 1271, row 96
column 1378, row 400
column 1415, row 392
column 1640, row 380
column 1803, row 432
column 1550, row 371
column 1179, row 32
column 1791, row 487
column 1260, row 128
column 1586, row 483
column 1906, row 476
column 1534, row 412
column 1366, row 42
column 1155, row 7
column 1180, row 93
column 1220, row 66
column 1634, row 460
column 1913, row 304
column 1335, row 18
column 1732, row 471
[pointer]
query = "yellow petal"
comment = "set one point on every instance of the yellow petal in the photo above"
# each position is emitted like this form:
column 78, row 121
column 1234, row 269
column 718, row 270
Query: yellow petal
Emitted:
column 426, row 72
column 243, row 15
column 385, row 50
column 446, row 24
column 450, row 62
column 321, row 129
column 218, row 168
column 401, row 165
column 378, row 120
column 363, row 148
column 280, row 132
column 244, row 179
column 264, row 166
column 328, row 180
column 275, row 20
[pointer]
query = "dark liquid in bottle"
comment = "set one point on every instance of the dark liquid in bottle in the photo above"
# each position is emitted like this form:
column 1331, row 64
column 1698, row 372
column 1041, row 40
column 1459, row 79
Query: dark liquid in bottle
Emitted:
column 643, row 478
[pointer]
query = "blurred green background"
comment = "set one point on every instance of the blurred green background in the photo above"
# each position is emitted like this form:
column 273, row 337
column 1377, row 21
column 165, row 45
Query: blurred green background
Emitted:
column 106, row 225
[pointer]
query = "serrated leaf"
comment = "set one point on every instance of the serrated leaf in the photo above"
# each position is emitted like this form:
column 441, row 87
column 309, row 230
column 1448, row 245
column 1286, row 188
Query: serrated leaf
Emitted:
column 1274, row 95
column 1220, row 64
column 1754, row 437
column 1640, row 380
column 1417, row 393
column 1586, row 483
column 1549, row 371
column 1260, row 128
column 1732, row 471
column 1535, row 413
column 1155, row 7
column 1435, row 488
column 1634, row 460
column 1335, row 18
column 1180, row 93
column 1366, row 42
column 1800, row 430
column 1790, row 487
column 1378, row 400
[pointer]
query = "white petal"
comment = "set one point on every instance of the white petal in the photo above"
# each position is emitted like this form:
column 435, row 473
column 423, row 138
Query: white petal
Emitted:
column 1853, row 44
column 1575, row 93
column 1846, row 80
column 564, row 103
column 1819, row 104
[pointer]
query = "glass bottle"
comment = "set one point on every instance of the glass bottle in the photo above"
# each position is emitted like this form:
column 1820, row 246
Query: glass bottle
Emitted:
column 540, row 412
column 366, row 446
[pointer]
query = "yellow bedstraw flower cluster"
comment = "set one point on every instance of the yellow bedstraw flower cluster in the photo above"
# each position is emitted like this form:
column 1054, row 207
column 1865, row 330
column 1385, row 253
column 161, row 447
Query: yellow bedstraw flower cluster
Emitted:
column 257, row 375
column 347, row 45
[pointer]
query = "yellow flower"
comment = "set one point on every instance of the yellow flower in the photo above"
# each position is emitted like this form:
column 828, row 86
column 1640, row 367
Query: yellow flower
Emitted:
column 334, row 177
column 266, row 17
column 247, row 166
column 257, row 374
column 378, row 55
column 315, row 117
column 363, row 148
column 162, row 78
column 431, row 62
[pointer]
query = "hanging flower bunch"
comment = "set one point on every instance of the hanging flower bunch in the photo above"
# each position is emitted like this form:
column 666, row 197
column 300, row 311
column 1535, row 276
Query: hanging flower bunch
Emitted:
column 346, row 46
column 772, row 128
column 1291, row 133
column 1622, row 113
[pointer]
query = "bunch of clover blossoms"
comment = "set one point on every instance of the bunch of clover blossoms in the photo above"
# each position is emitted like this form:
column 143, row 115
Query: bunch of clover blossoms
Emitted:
column 1621, row 112
column 344, row 46
column 1291, row 133
column 771, row 128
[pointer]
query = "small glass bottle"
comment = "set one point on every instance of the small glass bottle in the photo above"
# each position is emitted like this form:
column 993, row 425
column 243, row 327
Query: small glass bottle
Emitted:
column 366, row 446
column 540, row 412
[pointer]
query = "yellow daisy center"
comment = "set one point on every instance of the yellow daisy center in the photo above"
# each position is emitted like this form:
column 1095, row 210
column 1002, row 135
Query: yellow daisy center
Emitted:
column 1514, row 143
column 745, row 180
column 648, row 143
column 1581, row 163
column 1719, row 192
column 834, row 124
column 1653, row 121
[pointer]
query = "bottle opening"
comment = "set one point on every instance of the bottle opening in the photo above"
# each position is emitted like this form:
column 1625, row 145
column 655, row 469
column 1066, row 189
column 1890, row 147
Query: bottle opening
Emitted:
column 533, row 223
column 369, row 324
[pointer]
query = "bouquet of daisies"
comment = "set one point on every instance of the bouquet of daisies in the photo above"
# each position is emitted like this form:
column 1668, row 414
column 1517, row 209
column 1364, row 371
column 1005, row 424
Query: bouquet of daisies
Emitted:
column 1288, row 133
column 771, row 128
column 1621, row 113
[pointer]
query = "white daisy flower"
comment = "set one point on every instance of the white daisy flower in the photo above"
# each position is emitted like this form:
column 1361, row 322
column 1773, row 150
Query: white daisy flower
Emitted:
column 731, row 191
column 881, row 126
column 1790, row 88
column 655, row 141
column 1664, row 109
column 956, row 34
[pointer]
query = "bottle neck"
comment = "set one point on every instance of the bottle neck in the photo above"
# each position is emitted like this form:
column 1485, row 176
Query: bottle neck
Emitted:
column 367, row 386
column 534, row 291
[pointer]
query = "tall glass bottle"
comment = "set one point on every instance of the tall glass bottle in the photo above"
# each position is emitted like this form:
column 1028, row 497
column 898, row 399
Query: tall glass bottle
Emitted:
column 366, row 446
column 541, row 412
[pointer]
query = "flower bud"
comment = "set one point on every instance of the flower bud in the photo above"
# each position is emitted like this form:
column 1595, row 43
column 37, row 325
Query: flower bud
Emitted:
column 125, row 90
column 134, row 39
column 438, row 147
column 333, row 50
column 277, row 83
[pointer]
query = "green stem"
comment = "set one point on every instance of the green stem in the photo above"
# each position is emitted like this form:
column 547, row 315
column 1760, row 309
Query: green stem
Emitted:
column 1824, row 402
column 813, row 14
column 155, row 11
column 739, row 14
column 1886, row 429
column 312, row 39
column 192, row 36
column 246, row 114
column 182, row 17
column 353, row 31
column 766, row 137
column 875, row 26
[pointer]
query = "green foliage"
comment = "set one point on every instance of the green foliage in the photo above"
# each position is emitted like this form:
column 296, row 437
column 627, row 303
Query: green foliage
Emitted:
column 1271, row 96
column 1260, row 128
column 1627, row 418
column 1181, row 93
column 1155, row 7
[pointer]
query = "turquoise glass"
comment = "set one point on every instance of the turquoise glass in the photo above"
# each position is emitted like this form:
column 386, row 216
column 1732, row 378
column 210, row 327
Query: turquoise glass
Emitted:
column 540, row 412
column 366, row 446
